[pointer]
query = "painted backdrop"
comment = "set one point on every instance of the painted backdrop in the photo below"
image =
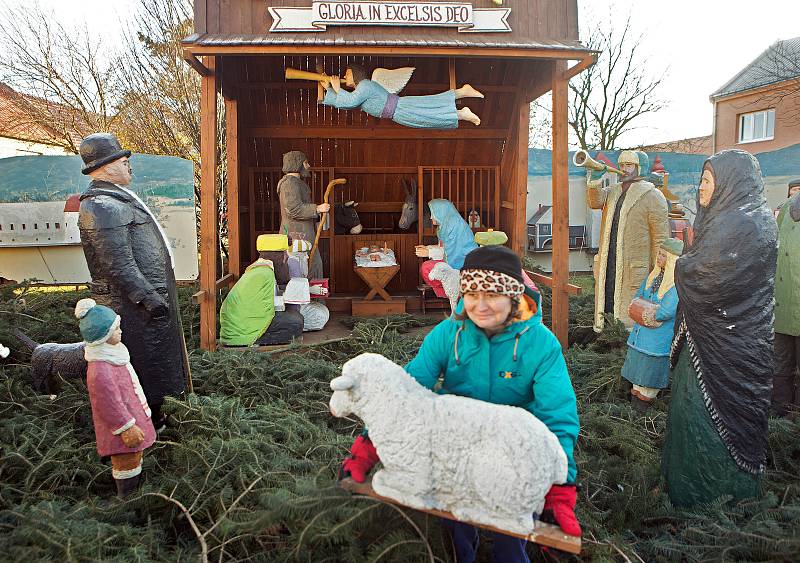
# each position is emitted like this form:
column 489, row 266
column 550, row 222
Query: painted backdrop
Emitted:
column 39, row 236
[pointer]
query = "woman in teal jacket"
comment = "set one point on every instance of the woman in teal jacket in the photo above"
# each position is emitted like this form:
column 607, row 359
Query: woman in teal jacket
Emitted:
column 496, row 349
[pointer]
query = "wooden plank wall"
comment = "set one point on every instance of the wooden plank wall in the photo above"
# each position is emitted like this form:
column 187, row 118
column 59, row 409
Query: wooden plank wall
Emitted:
column 276, row 116
column 531, row 20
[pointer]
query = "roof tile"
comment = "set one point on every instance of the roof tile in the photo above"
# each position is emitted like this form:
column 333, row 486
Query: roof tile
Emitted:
column 779, row 62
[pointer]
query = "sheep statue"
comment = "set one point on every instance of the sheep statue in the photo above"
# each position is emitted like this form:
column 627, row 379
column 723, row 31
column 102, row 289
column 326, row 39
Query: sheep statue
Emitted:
column 484, row 463
column 51, row 362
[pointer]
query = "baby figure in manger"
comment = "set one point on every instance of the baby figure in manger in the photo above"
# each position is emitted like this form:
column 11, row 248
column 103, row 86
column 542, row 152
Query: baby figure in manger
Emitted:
column 375, row 255
column 378, row 97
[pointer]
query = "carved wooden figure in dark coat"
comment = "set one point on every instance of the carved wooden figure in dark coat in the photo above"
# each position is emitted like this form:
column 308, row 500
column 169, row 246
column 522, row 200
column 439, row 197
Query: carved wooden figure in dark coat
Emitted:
column 132, row 270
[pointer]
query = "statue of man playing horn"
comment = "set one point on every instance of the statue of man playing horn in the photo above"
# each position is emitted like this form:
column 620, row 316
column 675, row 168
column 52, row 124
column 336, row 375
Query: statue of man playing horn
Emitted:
column 634, row 224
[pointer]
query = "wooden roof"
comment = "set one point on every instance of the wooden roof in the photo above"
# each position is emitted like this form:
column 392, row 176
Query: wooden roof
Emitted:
column 777, row 64
column 538, row 27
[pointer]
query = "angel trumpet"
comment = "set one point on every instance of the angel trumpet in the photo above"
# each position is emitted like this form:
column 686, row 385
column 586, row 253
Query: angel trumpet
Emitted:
column 295, row 74
column 582, row 158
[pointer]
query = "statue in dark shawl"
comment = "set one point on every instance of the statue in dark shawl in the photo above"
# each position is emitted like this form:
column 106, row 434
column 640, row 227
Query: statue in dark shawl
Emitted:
column 721, row 357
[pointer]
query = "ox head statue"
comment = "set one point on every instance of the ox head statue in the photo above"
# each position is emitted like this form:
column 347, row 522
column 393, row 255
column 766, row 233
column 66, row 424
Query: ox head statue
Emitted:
column 346, row 218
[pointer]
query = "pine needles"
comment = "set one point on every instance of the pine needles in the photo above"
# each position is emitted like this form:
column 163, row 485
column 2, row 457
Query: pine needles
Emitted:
column 247, row 472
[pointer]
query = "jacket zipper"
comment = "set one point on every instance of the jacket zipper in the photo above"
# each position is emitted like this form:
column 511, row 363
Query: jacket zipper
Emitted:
column 489, row 362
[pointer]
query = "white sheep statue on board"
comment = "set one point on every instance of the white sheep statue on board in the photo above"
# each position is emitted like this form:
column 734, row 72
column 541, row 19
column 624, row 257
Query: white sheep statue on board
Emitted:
column 485, row 463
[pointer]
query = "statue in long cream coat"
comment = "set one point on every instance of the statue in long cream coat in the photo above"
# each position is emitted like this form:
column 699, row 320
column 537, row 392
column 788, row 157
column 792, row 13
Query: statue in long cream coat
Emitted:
column 642, row 225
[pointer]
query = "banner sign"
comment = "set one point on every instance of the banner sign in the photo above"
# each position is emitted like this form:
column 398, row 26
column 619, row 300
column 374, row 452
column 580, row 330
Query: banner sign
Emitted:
column 426, row 14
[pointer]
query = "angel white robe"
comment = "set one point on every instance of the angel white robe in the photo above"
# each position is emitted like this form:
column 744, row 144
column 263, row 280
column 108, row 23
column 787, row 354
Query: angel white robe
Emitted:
column 437, row 111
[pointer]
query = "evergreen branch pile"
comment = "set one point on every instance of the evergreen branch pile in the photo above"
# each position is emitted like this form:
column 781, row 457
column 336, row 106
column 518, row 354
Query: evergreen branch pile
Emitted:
column 247, row 471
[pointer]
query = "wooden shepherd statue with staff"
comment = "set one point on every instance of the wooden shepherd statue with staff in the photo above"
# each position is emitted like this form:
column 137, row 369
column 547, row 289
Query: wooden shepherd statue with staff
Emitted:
column 298, row 213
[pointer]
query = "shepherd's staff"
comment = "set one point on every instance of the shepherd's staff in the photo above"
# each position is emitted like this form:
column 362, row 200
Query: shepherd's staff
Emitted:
column 328, row 190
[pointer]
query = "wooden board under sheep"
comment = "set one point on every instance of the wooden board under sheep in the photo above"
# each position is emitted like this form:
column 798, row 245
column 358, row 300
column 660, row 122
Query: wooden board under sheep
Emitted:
column 543, row 534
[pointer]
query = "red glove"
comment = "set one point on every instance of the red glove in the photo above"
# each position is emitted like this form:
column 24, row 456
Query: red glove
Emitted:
column 363, row 458
column 559, row 508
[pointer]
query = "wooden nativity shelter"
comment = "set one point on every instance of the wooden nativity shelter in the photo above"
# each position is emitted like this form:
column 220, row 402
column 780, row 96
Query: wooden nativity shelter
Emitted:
column 513, row 54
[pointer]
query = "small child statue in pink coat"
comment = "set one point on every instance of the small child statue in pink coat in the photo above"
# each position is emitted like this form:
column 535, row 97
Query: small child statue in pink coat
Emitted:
column 122, row 424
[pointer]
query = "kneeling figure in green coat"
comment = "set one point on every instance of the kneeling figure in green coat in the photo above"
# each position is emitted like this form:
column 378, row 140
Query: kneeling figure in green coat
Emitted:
column 248, row 314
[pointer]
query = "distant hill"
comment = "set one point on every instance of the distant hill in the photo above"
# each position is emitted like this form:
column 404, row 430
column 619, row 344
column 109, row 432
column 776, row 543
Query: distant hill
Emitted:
column 54, row 178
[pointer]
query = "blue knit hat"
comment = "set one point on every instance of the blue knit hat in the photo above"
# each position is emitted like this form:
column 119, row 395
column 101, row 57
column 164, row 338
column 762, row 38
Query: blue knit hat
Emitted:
column 96, row 321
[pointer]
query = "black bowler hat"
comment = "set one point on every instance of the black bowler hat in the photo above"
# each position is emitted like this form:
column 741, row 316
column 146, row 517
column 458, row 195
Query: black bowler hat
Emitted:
column 98, row 149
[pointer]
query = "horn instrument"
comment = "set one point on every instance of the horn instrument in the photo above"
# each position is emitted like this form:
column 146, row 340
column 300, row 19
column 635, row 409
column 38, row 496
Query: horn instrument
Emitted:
column 581, row 158
column 295, row 74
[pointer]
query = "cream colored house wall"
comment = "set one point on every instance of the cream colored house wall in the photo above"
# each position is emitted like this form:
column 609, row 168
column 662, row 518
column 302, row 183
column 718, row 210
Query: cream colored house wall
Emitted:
column 15, row 147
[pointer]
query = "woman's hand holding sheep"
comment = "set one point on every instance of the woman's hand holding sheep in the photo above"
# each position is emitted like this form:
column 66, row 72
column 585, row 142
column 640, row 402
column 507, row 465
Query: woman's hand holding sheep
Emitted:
column 363, row 458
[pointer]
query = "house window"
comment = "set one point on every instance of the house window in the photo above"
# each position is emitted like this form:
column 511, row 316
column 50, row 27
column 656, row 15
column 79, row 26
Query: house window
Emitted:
column 757, row 126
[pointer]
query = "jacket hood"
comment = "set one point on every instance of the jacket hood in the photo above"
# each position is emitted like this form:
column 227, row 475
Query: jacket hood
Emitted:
column 453, row 231
column 293, row 163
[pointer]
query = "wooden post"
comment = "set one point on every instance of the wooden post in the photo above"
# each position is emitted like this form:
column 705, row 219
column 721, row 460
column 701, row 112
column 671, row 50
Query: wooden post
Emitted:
column 520, row 176
column 232, row 188
column 208, row 207
column 560, row 205
column 451, row 71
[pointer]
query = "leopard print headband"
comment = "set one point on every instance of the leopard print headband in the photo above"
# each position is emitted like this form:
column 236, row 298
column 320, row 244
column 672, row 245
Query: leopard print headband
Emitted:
column 490, row 282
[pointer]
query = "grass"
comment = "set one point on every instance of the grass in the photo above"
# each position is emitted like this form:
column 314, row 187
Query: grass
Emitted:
column 247, row 472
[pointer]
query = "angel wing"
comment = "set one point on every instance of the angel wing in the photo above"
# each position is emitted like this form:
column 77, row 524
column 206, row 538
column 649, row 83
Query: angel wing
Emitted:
column 393, row 80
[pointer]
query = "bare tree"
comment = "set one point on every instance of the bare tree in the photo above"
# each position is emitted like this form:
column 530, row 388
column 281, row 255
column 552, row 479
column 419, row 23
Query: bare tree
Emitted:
column 540, row 124
column 70, row 81
column 608, row 98
column 145, row 93
column 161, row 94
column 779, row 66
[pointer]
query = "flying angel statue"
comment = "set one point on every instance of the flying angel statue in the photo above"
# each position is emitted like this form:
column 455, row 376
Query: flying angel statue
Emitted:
column 378, row 97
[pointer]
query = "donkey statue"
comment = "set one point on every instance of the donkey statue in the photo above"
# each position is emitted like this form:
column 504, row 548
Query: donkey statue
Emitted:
column 410, row 212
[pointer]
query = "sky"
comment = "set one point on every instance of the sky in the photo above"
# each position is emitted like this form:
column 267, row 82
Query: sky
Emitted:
column 700, row 43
